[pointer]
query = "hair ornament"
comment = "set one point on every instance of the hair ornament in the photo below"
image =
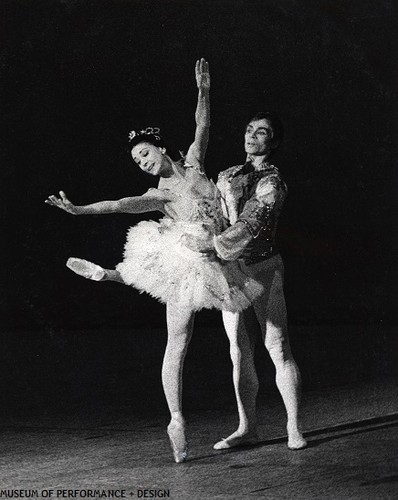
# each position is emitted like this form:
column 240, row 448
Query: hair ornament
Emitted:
column 155, row 131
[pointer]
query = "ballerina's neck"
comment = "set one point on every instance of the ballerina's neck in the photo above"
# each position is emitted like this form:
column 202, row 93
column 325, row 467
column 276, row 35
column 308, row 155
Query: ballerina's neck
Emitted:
column 169, row 170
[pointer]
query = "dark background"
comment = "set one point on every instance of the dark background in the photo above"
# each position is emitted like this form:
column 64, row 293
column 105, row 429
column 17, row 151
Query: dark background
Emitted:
column 78, row 75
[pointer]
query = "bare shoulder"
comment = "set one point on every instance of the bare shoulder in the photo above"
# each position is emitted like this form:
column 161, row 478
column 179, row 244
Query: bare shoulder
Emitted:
column 193, row 159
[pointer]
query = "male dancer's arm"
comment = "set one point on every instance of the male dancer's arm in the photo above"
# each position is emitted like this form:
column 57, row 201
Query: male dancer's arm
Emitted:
column 231, row 243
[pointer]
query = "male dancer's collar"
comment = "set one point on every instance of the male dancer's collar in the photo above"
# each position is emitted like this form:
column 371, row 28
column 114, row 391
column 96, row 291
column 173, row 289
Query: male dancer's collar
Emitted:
column 246, row 169
column 264, row 165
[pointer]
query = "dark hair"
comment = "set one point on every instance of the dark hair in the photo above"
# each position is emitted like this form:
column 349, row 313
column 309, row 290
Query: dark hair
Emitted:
column 156, row 140
column 275, row 122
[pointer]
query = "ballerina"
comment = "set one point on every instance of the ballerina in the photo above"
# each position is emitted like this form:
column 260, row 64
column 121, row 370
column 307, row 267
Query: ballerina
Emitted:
column 174, row 259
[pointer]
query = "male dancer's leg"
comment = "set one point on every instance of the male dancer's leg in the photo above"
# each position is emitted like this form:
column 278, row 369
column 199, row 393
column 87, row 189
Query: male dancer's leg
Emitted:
column 272, row 318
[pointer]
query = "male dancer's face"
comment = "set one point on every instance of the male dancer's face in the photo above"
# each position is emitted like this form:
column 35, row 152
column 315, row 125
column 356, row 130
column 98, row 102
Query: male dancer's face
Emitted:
column 259, row 138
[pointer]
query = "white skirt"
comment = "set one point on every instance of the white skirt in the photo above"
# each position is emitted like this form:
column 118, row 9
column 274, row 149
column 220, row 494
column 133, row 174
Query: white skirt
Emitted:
column 157, row 262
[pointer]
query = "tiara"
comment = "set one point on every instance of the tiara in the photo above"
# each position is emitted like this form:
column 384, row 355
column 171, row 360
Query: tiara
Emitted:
column 155, row 131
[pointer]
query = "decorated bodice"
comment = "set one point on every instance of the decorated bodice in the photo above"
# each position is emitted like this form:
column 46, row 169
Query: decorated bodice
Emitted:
column 197, row 199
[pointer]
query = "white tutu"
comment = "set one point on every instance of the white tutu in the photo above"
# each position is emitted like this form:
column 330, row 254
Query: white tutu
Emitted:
column 157, row 262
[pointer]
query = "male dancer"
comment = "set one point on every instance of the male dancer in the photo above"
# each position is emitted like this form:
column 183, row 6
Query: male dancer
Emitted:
column 252, row 196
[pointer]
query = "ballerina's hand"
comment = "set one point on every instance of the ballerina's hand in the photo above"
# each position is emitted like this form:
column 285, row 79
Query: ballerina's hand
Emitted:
column 202, row 74
column 63, row 203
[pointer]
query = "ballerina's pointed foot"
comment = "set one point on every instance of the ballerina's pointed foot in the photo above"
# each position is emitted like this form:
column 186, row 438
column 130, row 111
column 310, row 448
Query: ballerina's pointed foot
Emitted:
column 178, row 442
column 86, row 269
column 237, row 439
column 296, row 441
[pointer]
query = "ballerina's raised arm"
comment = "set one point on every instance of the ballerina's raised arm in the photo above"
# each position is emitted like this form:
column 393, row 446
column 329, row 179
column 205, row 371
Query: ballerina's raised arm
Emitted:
column 154, row 161
column 197, row 152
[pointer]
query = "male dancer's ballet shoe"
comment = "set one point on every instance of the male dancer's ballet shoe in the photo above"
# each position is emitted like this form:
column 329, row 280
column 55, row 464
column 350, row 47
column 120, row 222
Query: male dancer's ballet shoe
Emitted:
column 235, row 440
column 296, row 441
column 178, row 442
column 86, row 269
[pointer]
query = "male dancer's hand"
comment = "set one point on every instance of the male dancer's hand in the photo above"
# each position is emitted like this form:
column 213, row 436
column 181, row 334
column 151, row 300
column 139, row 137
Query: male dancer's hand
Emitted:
column 201, row 244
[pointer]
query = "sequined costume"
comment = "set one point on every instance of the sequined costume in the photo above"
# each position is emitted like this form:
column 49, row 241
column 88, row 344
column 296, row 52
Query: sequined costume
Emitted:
column 252, row 200
column 158, row 261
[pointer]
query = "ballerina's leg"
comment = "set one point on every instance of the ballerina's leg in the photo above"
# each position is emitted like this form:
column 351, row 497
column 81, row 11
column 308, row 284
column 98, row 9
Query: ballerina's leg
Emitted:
column 92, row 271
column 244, row 378
column 179, row 327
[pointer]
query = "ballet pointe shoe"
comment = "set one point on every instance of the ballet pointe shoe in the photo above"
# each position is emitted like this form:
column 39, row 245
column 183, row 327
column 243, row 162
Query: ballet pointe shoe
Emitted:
column 237, row 439
column 178, row 442
column 87, row 269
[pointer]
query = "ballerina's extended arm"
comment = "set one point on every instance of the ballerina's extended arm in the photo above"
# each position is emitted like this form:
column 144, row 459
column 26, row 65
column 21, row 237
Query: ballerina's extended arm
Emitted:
column 197, row 151
column 152, row 201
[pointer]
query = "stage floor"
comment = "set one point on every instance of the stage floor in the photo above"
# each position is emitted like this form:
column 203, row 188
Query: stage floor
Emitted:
column 352, row 453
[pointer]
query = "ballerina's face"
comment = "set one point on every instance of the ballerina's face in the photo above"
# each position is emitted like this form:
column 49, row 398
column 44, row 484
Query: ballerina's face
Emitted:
column 150, row 158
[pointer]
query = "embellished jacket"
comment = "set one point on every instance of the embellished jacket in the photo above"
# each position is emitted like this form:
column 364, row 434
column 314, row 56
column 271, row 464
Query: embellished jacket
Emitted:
column 252, row 199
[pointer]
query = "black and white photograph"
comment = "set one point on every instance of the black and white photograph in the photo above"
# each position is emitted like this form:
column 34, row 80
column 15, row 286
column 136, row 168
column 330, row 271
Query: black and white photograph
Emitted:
column 199, row 249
